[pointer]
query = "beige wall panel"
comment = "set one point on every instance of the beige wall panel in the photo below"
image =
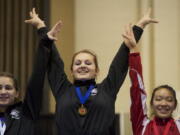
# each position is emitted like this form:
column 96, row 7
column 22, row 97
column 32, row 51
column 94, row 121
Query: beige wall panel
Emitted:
column 167, row 65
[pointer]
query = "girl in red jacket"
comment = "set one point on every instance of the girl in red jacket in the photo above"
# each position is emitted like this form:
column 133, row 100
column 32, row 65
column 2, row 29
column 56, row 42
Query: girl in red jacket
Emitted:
column 163, row 101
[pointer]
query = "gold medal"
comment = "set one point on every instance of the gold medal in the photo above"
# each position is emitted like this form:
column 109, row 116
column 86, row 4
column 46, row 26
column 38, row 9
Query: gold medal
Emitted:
column 82, row 110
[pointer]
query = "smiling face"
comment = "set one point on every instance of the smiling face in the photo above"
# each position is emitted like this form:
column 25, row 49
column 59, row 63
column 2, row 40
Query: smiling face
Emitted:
column 163, row 103
column 84, row 67
column 8, row 92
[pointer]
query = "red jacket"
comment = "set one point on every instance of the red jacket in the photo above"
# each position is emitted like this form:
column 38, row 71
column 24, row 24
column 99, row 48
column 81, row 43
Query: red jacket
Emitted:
column 141, row 125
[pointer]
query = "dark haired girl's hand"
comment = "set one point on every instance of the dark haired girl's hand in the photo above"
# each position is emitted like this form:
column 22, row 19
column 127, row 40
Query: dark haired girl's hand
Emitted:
column 52, row 34
column 35, row 20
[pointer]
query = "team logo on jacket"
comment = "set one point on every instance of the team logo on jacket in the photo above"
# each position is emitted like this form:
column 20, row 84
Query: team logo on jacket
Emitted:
column 15, row 114
column 94, row 92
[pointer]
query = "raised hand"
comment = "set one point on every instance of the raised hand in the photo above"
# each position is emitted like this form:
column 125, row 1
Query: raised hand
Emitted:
column 52, row 34
column 129, row 38
column 35, row 20
column 146, row 19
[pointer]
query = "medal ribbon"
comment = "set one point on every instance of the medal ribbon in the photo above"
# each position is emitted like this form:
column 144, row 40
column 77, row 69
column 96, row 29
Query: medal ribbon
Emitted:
column 166, row 131
column 82, row 98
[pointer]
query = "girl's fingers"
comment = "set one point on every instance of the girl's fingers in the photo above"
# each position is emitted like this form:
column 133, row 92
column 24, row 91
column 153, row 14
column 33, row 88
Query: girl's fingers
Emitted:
column 31, row 14
column 33, row 10
column 130, row 29
column 27, row 21
column 127, row 30
column 126, row 37
column 154, row 21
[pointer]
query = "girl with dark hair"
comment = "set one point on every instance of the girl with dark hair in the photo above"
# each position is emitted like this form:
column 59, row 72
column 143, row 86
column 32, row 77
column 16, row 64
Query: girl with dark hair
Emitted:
column 163, row 100
column 19, row 117
column 85, row 107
